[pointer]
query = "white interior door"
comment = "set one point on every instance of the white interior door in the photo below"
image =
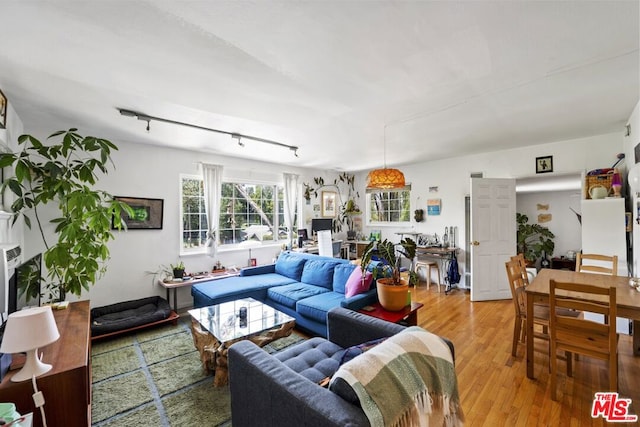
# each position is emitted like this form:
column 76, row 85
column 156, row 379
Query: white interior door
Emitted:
column 493, row 236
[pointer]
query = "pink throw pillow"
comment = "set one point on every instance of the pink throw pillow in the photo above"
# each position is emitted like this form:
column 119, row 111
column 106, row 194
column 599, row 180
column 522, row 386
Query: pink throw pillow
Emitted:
column 355, row 284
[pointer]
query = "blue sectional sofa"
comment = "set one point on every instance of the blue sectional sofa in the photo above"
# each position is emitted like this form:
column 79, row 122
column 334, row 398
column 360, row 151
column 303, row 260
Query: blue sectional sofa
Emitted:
column 302, row 285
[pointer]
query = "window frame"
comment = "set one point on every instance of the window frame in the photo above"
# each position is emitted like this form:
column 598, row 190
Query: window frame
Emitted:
column 230, row 246
column 371, row 223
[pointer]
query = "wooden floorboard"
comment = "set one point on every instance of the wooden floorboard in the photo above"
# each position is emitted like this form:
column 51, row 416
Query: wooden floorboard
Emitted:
column 494, row 388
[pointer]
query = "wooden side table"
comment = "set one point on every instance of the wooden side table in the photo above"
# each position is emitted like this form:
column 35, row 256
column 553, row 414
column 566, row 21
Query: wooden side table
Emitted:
column 408, row 315
column 563, row 264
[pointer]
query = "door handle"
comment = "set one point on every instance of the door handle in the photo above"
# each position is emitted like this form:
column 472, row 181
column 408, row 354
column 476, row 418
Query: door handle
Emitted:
column 475, row 243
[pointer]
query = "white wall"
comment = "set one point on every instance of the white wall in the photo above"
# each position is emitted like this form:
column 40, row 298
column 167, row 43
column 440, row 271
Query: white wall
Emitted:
column 451, row 176
column 564, row 223
column 145, row 171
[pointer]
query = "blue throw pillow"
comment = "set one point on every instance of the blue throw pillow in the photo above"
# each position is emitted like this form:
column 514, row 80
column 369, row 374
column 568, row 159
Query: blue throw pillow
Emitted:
column 290, row 265
column 341, row 273
column 318, row 273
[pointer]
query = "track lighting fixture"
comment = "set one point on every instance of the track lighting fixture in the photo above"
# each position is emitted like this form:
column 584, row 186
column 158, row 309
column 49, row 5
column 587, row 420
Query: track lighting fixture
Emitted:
column 238, row 136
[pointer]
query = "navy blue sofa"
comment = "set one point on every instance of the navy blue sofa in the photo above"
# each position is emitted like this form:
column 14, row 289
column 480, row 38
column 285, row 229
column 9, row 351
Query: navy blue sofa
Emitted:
column 301, row 285
column 282, row 389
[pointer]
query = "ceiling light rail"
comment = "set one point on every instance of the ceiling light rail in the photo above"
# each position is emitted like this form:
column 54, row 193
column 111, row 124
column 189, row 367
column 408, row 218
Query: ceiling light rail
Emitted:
column 235, row 135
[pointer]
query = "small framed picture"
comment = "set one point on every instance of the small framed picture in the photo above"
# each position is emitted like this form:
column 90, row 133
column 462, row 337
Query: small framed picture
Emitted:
column 544, row 164
column 3, row 110
column 253, row 262
column 328, row 207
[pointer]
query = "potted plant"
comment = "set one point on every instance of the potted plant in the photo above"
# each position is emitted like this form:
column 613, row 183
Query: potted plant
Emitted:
column 178, row 270
column 534, row 240
column 392, row 288
column 63, row 174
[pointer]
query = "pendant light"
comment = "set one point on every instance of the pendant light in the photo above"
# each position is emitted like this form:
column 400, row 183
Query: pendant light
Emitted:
column 385, row 178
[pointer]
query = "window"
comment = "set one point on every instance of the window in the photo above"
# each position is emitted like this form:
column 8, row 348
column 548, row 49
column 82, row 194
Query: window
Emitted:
column 391, row 206
column 247, row 212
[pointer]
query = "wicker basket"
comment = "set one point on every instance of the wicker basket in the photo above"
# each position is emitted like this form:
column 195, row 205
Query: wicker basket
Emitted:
column 604, row 180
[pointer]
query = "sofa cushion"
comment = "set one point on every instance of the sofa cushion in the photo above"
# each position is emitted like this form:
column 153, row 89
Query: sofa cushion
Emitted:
column 314, row 359
column 218, row 291
column 316, row 307
column 318, row 273
column 341, row 273
column 288, row 295
column 355, row 285
column 290, row 265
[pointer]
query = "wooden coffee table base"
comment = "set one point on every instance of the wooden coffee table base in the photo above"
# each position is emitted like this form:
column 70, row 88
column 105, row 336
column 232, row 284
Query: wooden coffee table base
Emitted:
column 213, row 353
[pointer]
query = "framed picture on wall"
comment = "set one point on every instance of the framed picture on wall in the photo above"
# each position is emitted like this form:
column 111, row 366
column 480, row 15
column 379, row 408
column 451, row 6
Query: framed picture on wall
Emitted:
column 328, row 207
column 3, row 110
column 147, row 213
column 544, row 164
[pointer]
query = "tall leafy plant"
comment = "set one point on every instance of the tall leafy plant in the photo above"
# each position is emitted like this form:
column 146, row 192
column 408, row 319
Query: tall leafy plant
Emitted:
column 64, row 173
column 533, row 239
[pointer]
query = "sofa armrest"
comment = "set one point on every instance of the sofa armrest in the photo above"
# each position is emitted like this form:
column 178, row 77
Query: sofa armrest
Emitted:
column 278, row 396
column 356, row 302
column 347, row 327
column 261, row 269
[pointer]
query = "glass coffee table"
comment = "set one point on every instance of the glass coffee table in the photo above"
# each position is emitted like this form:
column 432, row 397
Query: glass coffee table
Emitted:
column 217, row 327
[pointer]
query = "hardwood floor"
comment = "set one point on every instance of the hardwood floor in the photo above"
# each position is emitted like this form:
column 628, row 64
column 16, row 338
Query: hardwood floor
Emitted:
column 494, row 388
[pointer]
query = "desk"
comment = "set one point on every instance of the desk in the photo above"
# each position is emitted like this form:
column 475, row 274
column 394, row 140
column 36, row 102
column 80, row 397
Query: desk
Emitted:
column 175, row 284
column 440, row 255
column 627, row 301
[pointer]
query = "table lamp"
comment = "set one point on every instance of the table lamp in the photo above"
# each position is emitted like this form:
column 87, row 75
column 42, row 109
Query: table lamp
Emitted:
column 26, row 331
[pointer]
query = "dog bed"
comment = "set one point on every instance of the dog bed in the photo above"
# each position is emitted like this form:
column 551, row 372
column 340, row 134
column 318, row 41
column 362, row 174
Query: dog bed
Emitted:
column 127, row 315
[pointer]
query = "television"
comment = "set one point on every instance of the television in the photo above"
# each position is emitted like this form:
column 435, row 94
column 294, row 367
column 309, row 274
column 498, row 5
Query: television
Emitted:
column 24, row 286
column 318, row 224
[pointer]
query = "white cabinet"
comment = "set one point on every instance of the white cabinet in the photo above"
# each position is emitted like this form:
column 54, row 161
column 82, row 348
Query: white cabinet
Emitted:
column 604, row 232
column 604, row 229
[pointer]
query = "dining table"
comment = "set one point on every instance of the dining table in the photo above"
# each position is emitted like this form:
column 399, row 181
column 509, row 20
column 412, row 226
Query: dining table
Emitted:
column 627, row 301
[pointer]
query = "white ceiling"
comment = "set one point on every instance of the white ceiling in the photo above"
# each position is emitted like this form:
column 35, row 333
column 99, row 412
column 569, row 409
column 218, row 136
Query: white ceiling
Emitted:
column 445, row 78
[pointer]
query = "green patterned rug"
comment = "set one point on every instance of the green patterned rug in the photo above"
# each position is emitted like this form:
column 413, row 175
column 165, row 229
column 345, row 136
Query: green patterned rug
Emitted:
column 154, row 377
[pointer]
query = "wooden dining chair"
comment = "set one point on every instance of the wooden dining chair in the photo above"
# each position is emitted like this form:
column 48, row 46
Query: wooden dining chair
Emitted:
column 604, row 264
column 523, row 266
column 517, row 275
column 580, row 335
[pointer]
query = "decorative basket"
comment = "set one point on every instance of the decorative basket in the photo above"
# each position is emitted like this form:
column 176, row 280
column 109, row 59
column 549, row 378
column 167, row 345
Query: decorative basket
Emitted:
column 604, row 180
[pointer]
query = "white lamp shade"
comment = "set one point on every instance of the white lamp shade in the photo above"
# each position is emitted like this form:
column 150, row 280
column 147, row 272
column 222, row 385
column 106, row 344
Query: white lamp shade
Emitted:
column 29, row 329
column 634, row 178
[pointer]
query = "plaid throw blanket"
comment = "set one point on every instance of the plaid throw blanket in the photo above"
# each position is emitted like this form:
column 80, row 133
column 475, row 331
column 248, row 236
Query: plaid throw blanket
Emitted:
column 408, row 380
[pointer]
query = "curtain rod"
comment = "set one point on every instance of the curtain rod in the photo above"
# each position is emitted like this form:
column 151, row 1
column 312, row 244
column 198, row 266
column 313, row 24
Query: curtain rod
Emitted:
column 147, row 118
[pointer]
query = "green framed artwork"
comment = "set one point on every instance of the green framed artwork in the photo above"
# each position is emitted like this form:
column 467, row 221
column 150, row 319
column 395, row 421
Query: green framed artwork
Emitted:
column 147, row 213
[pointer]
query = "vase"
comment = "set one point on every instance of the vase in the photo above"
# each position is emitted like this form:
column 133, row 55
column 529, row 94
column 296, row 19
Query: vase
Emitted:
column 392, row 297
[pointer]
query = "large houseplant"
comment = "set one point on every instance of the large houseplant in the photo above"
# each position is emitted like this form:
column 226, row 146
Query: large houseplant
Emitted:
column 533, row 239
column 392, row 288
column 64, row 174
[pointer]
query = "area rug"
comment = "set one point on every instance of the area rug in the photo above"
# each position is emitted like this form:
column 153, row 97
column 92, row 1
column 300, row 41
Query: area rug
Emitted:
column 154, row 377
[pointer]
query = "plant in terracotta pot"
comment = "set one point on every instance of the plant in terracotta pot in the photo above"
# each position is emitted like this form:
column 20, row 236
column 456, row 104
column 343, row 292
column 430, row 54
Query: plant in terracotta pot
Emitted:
column 392, row 288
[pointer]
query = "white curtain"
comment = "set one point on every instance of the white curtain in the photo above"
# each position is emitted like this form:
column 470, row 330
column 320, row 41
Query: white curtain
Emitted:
column 290, row 203
column 212, row 178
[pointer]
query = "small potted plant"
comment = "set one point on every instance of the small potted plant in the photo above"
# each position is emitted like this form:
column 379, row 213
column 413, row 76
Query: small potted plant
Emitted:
column 178, row 270
column 392, row 288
